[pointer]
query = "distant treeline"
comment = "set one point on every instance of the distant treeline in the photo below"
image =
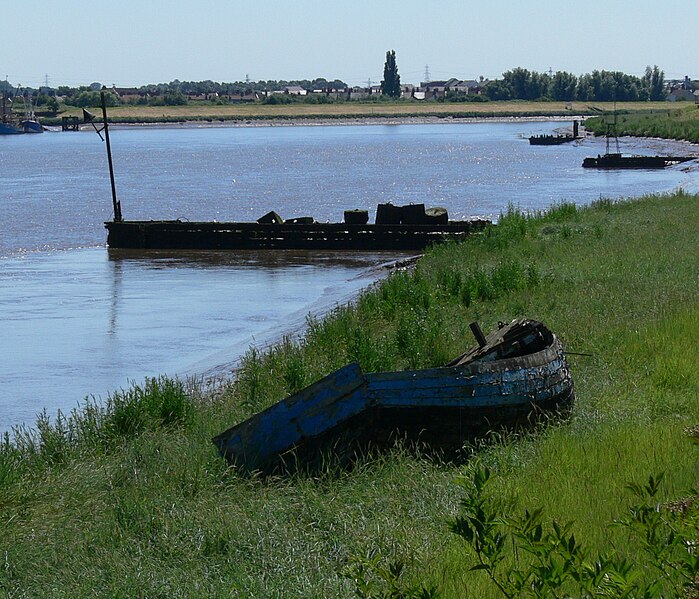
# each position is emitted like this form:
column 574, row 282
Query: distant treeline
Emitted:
column 515, row 84
column 598, row 86
column 190, row 87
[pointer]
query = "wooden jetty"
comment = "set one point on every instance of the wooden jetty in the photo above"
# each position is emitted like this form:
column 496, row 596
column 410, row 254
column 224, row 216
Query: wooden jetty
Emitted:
column 516, row 373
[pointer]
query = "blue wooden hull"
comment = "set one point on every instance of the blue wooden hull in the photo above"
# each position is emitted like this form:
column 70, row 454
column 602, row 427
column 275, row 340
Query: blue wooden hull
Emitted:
column 32, row 126
column 28, row 126
column 10, row 129
column 349, row 410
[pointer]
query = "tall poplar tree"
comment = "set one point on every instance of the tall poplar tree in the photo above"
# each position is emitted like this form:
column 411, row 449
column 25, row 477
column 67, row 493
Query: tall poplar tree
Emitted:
column 390, row 86
column 654, row 81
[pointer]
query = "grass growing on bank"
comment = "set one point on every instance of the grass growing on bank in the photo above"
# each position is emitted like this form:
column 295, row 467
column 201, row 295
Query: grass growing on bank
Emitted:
column 682, row 123
column 350, row 110
column 140, row 504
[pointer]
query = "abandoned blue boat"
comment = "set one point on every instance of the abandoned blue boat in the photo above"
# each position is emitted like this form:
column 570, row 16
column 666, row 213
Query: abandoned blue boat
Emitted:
column 516, row 374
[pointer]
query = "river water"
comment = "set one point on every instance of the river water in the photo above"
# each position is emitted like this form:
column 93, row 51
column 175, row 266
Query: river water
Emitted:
column 80, row 320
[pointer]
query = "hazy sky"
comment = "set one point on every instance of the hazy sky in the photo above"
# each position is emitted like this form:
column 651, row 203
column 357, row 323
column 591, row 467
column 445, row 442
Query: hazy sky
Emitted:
column 134, row 42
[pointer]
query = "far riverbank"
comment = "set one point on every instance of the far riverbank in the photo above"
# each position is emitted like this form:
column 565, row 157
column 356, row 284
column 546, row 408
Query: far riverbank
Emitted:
column 347, row 121
column 332, row 113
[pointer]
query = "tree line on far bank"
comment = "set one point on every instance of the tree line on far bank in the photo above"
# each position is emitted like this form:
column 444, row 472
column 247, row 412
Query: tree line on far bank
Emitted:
column 599, row 86
column 515, row 84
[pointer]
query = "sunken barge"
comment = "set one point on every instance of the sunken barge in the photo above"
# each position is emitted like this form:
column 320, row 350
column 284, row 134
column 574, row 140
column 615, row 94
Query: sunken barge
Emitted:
column 396, row 228
column 550, row 140
column 556, row 139
column 618, row 160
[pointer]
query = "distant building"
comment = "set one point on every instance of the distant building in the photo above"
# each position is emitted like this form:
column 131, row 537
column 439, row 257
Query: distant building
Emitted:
column 244, row 98
column 469, row 86
column 680, row 94
column 203, row 97
column 439, row 89
column 128, row 94
column 359, row 93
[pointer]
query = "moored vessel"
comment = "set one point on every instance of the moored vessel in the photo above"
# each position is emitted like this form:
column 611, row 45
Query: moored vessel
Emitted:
column 10, row 125
column 556, row 139
column 292, row 234
column 618, row 160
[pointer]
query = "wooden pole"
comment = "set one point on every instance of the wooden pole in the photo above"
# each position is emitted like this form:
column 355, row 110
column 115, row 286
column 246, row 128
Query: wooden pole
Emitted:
column 478, row 334
column 116, row 204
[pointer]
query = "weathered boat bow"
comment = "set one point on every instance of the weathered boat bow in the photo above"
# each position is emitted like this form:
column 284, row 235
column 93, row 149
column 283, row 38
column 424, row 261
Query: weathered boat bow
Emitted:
column 517, row 374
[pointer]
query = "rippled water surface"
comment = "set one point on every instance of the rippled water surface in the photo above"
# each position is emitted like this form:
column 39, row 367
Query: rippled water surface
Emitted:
column 79, row 320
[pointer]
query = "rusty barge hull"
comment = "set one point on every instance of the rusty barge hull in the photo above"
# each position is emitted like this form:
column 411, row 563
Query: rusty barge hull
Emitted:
column 618, row 161
column 350, row 410
column 551, row 140
column 173, row 235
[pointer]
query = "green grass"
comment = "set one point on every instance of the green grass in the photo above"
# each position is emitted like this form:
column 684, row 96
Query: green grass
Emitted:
column 133, row 500
column 672, row 123
column 204, row 112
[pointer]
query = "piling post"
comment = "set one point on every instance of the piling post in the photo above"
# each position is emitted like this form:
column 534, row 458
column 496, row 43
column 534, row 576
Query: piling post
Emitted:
column 116, row 204
column 478, row 334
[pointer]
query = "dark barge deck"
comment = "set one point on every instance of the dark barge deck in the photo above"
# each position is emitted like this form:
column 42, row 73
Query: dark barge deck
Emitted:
column 616, row 160
column 283, row 236
column 551, row 140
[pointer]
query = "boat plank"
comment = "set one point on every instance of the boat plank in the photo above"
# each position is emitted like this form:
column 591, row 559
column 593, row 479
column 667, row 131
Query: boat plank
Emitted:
column 470, row 394
column 316, row 408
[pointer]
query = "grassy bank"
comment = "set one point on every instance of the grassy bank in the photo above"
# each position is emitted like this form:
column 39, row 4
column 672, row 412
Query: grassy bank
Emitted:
column 670, row 123
column 206, row 112
column 132, row 499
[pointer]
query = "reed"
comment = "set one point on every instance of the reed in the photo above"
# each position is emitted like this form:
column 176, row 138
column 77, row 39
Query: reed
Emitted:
column 129, row 498
column 95, row 426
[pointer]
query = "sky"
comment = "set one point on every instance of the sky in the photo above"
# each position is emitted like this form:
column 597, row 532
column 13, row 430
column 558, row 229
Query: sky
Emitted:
column 136, row 42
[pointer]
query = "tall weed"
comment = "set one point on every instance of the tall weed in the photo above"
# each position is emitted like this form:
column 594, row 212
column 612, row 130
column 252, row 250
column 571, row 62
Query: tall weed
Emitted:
column 161, row 402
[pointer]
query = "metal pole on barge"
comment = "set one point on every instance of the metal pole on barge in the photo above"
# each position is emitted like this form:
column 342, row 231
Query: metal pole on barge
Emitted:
column 115, row 202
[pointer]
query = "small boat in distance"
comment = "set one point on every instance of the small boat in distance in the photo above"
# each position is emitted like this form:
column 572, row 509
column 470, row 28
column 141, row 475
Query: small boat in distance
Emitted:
column 555, row 140
column 517, row 373
column 7, row 124
column 11, row 125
